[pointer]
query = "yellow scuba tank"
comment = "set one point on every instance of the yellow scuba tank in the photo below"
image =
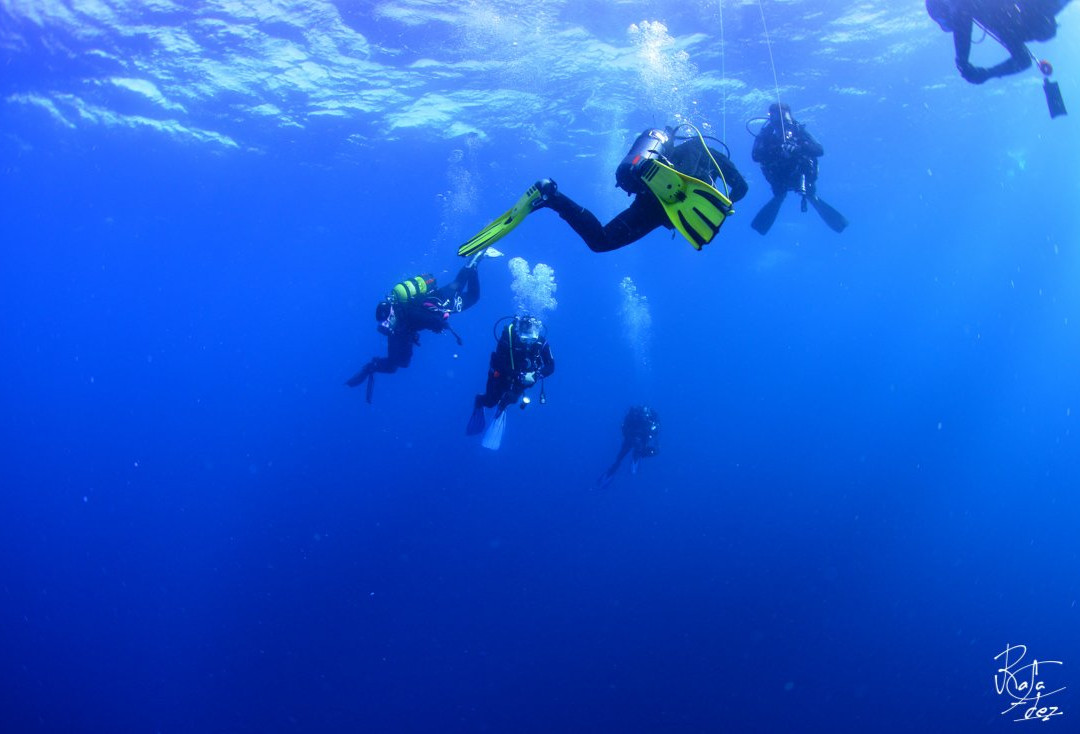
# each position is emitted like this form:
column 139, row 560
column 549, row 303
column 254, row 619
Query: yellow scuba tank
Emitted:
column 414, row 287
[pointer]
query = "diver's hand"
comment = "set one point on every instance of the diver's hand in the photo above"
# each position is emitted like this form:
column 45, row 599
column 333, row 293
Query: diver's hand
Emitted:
column 788, row 149
column 973, row 74
column 528, row 379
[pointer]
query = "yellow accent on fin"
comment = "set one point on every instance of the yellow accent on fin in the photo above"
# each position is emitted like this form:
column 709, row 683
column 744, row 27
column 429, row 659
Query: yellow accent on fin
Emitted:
column 694, row 207
column 502, row 225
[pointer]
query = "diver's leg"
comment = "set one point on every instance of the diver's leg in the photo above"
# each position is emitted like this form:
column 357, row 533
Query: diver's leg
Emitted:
column 470, row 287
column 493, row 390
column 629, row 226
column 367, row 374
column 377, row 364
column 607, row 476
column 459, row 293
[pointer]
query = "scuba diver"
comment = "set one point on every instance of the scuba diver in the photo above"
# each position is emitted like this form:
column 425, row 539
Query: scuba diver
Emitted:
column 641, row 438
column 413, row 306
column 522, row 357
column 1012, row 23
column 788, row 156
column 670, row 177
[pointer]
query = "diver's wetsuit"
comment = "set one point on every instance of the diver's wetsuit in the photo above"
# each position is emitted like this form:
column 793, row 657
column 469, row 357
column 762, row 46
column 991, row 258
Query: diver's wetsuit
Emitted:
column 1013, row 23
column 645, row 212
column 641, row 434
column 797, row 171
column 507, row 370
column 788, row 155
column 431, row 313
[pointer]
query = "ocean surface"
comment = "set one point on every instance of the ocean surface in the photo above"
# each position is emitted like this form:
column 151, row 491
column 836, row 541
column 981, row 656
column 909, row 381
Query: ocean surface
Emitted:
column 867, row 484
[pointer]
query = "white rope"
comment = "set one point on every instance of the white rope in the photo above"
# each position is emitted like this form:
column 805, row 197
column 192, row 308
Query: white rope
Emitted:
column 723, row 75
column 772, row 63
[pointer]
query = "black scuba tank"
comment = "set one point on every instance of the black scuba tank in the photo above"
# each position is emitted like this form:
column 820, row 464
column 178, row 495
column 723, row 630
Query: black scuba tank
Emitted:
column 649, row 145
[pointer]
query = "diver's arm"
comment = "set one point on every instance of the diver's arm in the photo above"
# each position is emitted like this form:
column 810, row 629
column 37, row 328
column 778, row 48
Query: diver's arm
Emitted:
column 809, row 144
column 737, row 186
column 962, row 39
column 500, row 359
column 421, row 317
column 623, row 451
column 548, row 361
column 763, row 144
column 1019, row 59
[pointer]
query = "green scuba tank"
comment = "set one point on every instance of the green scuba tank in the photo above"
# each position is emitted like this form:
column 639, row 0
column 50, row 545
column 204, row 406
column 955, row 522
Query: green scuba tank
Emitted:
column 414, row 287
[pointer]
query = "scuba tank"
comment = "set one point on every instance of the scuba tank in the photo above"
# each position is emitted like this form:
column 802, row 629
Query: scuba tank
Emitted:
column 412, row 288
column 649, row 145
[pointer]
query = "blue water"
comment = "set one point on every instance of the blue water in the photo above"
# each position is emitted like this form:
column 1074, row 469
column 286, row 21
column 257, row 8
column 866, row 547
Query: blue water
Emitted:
column 869, row 466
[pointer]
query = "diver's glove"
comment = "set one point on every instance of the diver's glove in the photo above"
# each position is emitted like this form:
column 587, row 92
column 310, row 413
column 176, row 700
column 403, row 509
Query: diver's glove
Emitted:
column 528, row 379
column 973, row 74
column 788, row 149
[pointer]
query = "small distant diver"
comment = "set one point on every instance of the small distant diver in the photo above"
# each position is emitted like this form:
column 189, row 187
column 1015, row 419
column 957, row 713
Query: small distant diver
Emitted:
column 788, row 155
column 522, row 357
column 1012, row 23
column 671, row 178
column 416, row 305
column 641, row 439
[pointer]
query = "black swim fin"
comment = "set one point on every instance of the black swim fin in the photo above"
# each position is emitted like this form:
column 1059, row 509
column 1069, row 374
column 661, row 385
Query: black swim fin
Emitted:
column 763, row 220
column 836, row 221
column 477, row 421
column 365, row 375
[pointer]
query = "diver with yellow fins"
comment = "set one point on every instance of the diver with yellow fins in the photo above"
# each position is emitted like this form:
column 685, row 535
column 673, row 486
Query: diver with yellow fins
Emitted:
column 416, row 305
column 522, row 357
column 671, row 178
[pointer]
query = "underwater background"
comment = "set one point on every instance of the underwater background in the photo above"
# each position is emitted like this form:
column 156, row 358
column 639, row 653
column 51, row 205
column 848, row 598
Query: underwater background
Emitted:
column 867, row 486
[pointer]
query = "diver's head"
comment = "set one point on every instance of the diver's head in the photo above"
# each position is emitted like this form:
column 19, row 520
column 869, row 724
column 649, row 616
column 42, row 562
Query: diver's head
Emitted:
column 528, row 329
column 781, row 112
column 942, row 13
column 384, row 314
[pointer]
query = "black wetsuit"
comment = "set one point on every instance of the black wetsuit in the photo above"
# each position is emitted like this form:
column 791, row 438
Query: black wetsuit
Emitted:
column 641, row 436
column 645, row 212
column 788, row 155
column 512, row 371
column 427, row 313
column 1012, row 22
column 791, row 164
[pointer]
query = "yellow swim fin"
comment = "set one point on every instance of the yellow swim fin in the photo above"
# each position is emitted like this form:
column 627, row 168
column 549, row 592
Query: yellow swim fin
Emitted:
column 502, row 226
column 695, row 208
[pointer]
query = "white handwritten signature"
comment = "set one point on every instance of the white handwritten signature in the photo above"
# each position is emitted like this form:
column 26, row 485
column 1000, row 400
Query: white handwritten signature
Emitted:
column 1021, row 683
